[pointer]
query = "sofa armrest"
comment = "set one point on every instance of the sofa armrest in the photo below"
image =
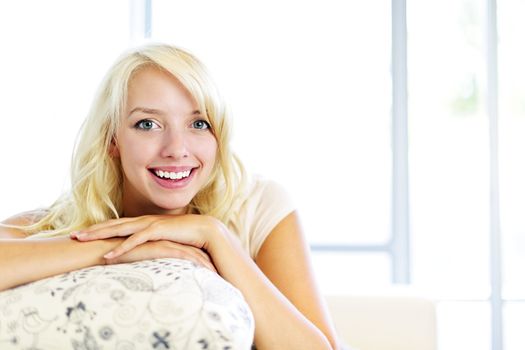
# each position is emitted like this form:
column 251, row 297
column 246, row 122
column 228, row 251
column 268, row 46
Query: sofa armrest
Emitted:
column 384, row 322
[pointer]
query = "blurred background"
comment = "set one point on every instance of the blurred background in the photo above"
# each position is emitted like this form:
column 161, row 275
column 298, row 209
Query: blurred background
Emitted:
column 397, row 126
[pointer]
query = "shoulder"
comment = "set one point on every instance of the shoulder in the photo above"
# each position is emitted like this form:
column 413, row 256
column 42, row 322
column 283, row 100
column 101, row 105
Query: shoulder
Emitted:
column 26, row 218
column 264, row 204
column 23, row 219
column 262, row 189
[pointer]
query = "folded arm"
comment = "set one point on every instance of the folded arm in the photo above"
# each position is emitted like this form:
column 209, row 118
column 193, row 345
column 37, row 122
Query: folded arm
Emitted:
column 24, row 260
column 28, row 260
column 280, row 288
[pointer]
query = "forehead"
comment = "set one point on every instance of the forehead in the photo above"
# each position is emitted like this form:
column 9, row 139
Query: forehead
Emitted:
column 157, row 88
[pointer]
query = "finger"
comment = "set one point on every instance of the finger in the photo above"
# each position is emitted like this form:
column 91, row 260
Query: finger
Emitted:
column 82, row 233
column 130, row 243
column 198, row 261
column 190, row 249
column 204, row 256
column 196, row 255
column 121, row 229
column 206, row 264
column 107, row 223
column 201, row 260
column 210, row 266
column 112, row 261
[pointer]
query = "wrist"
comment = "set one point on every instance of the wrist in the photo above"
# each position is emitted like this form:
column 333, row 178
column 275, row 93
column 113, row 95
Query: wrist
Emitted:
column 215, row 233
column 103, row 246
column 219, row 239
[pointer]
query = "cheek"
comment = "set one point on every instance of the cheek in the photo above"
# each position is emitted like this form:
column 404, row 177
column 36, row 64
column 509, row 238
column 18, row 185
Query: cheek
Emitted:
column 134, row 152
column 205, row 150
column 211, row 151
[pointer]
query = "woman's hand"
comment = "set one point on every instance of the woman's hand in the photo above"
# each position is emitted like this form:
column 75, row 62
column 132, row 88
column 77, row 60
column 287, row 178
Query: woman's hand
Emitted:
column 165, row 249
column 191, row 230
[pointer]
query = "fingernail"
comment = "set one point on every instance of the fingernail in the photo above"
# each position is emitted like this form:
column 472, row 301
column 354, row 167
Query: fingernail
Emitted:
column 109, row 255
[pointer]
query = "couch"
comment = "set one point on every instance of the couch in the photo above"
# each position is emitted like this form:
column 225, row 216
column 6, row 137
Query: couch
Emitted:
column 384, row 322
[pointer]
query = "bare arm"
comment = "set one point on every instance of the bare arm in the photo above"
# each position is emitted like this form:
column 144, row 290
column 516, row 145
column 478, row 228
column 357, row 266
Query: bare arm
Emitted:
column 23, row 261
column 280, row 289
column 285, row 259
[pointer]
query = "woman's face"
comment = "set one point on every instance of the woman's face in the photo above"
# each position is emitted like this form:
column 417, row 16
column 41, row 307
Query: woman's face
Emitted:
column 165, row 144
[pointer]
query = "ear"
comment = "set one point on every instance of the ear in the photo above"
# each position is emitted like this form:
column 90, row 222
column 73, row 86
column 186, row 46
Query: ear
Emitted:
column 113, row 149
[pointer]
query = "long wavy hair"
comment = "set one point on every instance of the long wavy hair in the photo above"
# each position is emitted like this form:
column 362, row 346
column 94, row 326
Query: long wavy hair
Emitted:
column 96, row 177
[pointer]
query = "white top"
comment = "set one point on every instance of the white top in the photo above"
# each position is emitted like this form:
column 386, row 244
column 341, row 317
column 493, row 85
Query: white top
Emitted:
column 266, row 204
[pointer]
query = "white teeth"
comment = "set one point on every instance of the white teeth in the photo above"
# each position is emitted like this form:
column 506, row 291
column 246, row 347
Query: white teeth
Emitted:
column 172, row 175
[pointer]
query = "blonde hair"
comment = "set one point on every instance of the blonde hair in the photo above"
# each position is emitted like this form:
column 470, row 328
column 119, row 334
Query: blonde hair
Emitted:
column 96, row 176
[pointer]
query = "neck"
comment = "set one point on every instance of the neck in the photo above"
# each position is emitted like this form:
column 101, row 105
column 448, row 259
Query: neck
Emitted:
column 129, row 211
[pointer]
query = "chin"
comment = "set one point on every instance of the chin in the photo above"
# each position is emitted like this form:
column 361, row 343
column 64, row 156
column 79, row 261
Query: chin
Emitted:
column 172, row 208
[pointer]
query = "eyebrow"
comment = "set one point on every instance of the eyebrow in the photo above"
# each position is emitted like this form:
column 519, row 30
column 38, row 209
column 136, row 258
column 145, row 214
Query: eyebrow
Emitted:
column 145, row 110
column 155, row 111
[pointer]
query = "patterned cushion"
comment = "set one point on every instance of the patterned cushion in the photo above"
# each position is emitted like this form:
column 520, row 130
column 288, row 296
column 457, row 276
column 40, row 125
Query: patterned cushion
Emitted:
column 153, row 304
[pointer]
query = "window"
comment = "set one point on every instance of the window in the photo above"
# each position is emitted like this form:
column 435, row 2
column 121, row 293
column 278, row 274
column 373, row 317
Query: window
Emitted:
column 313, row 88
column 44, row 99
column 512, row 170
column 311, row 100
column 449, row 166
column 310, row 83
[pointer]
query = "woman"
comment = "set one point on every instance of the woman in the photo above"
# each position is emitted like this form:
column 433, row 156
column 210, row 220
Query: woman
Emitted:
column 153, row 176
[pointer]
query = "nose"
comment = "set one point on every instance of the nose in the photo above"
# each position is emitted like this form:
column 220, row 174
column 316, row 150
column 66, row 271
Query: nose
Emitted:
column 175, row 145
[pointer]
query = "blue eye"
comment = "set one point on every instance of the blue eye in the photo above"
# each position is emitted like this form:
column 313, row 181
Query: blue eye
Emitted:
column 201, row 124
column 145, row 124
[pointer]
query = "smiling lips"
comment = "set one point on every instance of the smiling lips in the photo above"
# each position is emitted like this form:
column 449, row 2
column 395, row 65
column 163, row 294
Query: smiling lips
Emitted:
column 172, row 174
column 172, row 178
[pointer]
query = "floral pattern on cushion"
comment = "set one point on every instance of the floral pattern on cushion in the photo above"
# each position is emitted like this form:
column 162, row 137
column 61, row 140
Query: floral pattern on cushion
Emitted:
column 153, row 304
